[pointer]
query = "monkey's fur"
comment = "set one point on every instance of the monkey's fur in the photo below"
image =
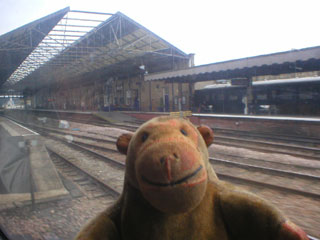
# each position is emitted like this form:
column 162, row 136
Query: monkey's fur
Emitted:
column 171, row 192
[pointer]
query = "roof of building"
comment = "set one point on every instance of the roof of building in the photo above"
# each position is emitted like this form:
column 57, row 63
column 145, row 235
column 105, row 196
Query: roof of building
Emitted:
column 307, row 59
column 287, row 81
column 15, row 46
column 77, row 42
column 290, row 81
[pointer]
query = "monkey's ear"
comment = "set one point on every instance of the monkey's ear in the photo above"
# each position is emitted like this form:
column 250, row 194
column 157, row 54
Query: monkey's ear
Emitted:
column 123, row 142
column 207, row 134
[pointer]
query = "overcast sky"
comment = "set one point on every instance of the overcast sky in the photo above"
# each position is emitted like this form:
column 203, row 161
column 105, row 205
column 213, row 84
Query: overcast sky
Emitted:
column 213, row 30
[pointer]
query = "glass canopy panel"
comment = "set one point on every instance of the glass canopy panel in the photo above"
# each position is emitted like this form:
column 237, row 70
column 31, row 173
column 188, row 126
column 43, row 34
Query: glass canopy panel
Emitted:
column 73, row 26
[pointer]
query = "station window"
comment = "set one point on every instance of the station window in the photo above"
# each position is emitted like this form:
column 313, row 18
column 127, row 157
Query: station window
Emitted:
column 183, row 101
column 262, row 96
column 128, row 97
column 285, row 95
column 233, row 97
column 305, row 95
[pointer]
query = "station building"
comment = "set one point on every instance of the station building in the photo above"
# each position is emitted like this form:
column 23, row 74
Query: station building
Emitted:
column 91, row 61
column 72, row 64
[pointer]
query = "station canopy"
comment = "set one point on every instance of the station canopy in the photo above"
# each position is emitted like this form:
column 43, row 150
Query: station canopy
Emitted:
column 70, row 43
column 293, row 61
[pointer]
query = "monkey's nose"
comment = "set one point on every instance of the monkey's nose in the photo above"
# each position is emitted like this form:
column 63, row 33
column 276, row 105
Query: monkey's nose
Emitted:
column 166, row 162
column 171, row 157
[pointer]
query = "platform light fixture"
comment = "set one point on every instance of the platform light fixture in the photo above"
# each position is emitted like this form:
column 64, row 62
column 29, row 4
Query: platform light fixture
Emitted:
column 142, row 67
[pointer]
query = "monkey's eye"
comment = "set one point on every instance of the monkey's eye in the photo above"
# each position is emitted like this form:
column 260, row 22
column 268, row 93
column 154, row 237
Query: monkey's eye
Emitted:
column 184, row 132
column 144, row 136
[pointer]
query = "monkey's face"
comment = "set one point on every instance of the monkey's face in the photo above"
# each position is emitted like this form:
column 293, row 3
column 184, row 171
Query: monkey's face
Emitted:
column 167, row 161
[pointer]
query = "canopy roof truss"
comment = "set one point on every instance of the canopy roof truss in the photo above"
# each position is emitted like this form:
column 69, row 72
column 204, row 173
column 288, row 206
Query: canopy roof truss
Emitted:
column 82, row 42
column 16, row 45
column 66, row 32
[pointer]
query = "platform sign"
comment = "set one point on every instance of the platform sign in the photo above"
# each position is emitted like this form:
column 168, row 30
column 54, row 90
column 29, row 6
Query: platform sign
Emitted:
column 181, row 114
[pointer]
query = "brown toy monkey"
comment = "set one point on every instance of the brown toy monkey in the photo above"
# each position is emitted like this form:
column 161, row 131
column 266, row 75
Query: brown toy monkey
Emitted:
column 171, row 192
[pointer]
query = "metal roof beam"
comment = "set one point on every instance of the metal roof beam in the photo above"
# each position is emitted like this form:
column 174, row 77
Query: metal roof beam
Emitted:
column 73, row 31
column 100, row 13
column 16, row 43
column 14, row 49
column 63, row 35
column 58, row 39
column 81, row 26
column 48, row 35
column 82, row 19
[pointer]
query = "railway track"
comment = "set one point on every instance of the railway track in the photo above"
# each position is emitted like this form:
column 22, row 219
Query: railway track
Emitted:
column 300, row 147
column 267, row 146
column 310, row 142
column 239, row 175
column 90, row 164
column 279, row 176
column 254, row 178
column 258, row 143
column 92, row 186
column 226, row 169
column 267, row 177
column 130, row 126
column 109, row 140
column 267, row 163
column 275, row 143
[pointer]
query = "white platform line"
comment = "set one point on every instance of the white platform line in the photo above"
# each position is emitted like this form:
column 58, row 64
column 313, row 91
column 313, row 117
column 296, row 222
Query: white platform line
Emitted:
column 23, row 127
column 257, row 117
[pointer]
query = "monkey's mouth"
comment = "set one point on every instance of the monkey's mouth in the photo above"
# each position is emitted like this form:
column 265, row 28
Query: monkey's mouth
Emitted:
column 173, row 183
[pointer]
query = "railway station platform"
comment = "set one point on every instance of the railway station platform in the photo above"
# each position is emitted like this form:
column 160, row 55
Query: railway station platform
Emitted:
column 116, row 117
column 27, row 173
column 279, row 125
column 282, row 125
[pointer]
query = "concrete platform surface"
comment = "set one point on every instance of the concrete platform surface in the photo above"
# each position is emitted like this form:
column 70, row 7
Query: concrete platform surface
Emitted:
column 24, row 165
column 116, row 117
column 15, row 129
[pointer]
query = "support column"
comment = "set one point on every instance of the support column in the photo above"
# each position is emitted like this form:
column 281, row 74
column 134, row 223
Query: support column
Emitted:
column 150, row 99
column 180, row 96
column 249, row 98
column 190, row 96
column 172, row 88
